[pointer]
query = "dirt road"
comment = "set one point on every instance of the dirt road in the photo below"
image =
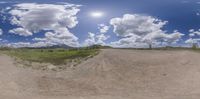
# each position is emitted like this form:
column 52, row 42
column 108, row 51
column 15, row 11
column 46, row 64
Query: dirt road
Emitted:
column 113, row 74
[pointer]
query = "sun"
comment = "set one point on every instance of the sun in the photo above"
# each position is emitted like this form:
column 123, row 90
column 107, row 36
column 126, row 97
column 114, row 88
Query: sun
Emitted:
column 97, row 14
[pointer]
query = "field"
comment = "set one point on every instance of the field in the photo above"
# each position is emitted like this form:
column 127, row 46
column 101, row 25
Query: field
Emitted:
column 50, row 59
column 54, row 56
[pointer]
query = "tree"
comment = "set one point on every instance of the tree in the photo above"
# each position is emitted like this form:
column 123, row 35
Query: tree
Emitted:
column 194, row 46
column 150, row 46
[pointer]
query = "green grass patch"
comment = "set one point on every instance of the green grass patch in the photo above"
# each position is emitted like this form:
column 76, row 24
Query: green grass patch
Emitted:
column 54, row 56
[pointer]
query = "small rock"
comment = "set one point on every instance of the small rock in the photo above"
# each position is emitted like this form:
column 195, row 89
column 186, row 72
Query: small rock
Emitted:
column 51, row 67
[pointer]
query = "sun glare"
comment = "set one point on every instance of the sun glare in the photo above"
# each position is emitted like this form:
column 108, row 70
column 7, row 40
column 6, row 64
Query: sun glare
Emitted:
column 97, row 14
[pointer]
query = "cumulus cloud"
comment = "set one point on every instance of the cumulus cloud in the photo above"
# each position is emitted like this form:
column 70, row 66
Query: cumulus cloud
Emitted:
column 103, row 28
column 129, row 42
column 101, row 38
column 20, row 31
column 191, row 41
column 194, row 33
column 32, row 18
column 173, row 37
column 95, row 39
column 15, row 45
column 19, row 44
column 136, row 30
column 90, row 40
column 136, row 24
column 193, row 37
column 58, row 38
column 28, row 44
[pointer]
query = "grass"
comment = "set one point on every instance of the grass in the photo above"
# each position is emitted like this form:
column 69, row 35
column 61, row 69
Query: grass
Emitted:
column 54, row 56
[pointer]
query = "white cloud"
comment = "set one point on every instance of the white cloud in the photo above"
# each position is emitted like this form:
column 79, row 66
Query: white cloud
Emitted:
column 174, row 37
column 20, row 31
column 129, row 42
column 192, row 41
column 189, row 41
column 101, row 38
column 193, row 37
column 90, row 40
column 136, row 30
column 95, row 39
column 58, row 38
column 103, row 28
column 33, row 18
column 136, row 24
column 28, row 44
column 193, row 32
column 1, row 31
column 18, row 44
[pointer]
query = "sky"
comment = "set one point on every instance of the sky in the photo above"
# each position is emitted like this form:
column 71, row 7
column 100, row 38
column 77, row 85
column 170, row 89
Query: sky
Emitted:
column 119, row 23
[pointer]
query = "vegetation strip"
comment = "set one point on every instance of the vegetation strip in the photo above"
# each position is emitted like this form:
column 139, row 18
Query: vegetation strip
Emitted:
column 57, row 57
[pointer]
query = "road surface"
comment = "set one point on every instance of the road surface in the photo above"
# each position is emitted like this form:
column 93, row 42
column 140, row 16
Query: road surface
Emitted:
column 113, row 74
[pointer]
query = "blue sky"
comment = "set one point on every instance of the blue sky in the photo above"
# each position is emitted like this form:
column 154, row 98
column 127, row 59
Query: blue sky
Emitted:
column 182, row 16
